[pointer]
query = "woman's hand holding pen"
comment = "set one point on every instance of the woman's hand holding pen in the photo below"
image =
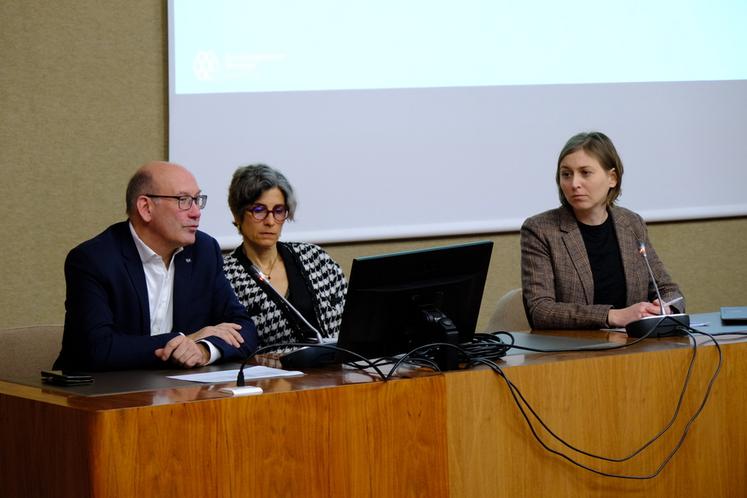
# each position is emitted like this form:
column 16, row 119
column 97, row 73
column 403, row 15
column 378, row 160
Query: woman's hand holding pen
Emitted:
column 666, row 305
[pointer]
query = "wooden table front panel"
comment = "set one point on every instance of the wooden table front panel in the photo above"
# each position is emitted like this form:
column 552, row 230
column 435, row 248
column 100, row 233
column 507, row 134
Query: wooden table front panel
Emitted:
column 363, row 440
column 458, row 434
column 607, row 405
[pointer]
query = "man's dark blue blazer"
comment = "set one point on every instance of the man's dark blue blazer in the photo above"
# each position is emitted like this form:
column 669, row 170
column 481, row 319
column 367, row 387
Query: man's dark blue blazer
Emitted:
column 107, row 317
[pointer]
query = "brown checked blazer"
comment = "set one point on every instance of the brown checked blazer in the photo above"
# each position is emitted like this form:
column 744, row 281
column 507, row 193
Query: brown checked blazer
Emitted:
column 556, row 278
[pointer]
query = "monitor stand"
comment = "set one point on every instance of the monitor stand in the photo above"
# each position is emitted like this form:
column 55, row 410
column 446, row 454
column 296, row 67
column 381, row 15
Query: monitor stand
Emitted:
column 446, row 358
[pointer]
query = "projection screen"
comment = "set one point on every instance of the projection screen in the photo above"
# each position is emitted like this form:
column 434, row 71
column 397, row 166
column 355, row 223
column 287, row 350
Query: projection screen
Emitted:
column 411, row 119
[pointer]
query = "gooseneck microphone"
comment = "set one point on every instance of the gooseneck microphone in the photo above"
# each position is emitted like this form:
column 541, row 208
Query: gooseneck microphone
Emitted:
column 642, row 252
column 283, row 303
column 656, row 326
column 306, row 357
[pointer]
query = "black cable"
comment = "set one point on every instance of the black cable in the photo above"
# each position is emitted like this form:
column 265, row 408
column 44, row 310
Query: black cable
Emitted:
column 485, row 348
column 422, row 349
column 583, row 349
column 240, row 376
column 519, row 398
column 635, row 452
column 387, row 360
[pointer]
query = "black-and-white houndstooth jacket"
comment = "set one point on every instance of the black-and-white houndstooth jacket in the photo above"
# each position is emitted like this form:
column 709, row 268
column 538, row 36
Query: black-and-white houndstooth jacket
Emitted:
column 324, row 279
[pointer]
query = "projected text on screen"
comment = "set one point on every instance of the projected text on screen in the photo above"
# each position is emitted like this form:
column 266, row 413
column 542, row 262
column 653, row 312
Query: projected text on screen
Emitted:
column 250, row 46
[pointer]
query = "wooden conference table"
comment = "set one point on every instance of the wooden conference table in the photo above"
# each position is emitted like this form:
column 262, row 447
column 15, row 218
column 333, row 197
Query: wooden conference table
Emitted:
column 339, row 432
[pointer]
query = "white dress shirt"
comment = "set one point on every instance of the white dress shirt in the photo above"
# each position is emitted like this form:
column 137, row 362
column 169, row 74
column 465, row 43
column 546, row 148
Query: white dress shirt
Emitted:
column 159, row 281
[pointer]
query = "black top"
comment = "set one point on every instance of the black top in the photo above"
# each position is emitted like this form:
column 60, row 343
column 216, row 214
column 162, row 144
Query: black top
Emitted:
column 606, row 263
column 298, row 294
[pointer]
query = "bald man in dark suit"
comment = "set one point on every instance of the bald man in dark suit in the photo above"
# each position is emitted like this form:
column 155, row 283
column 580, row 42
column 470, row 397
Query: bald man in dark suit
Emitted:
column 150, row 291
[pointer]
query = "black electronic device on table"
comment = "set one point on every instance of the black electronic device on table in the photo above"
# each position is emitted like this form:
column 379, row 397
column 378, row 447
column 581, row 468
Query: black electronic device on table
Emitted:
column 658, row 325
column 734, row 315
column 397, row 302
column 60, row 378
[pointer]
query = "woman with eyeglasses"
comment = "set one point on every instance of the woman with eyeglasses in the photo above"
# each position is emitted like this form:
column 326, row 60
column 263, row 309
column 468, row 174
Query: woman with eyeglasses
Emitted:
column 261, row 200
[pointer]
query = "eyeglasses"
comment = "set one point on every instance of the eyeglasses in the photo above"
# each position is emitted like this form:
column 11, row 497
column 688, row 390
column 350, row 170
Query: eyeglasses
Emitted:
column 185, row 201
column 259, row 212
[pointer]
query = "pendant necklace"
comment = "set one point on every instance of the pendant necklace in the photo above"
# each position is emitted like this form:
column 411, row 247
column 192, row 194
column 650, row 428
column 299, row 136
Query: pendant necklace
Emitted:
column 272, row 267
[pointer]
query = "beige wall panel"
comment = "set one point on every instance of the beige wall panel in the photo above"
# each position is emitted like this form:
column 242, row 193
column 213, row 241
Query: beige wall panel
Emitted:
column 83, row 99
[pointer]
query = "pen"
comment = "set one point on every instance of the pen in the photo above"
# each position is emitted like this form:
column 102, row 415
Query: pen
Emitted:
column 675, row 300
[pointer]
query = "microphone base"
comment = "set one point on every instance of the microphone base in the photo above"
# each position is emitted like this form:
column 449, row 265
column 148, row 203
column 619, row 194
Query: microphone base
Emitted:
column 659, row 326
column 309, row 357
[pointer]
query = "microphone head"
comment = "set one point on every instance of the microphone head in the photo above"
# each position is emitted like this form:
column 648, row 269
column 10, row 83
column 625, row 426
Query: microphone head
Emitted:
column 257, row 273
column 642, row 248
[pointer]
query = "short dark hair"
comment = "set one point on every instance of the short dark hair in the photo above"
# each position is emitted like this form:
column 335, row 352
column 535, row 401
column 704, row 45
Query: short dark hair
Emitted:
column 599, row 146
column 250, row 182
column 140, row 183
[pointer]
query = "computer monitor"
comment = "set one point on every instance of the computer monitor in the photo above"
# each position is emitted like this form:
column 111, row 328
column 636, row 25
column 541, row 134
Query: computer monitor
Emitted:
column 397, row 302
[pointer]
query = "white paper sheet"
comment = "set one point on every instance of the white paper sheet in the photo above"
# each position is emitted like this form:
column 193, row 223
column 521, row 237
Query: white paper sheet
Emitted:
column 250, row 373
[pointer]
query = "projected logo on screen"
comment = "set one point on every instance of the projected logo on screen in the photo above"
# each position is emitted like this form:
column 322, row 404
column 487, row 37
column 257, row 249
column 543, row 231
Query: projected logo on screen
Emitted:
column 206, row 65
column 231, row 66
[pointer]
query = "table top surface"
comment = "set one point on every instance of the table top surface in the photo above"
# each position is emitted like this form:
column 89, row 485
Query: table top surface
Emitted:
column 124, row 389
